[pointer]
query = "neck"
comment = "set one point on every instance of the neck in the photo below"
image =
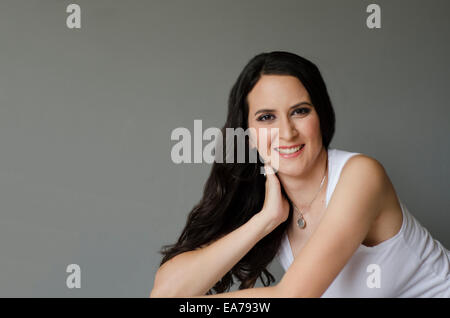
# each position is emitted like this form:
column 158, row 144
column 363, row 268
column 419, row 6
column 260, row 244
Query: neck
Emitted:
column 302, row 189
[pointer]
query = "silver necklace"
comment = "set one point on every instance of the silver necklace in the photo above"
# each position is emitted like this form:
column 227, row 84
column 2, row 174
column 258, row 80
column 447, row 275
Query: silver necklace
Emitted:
column 301, row 221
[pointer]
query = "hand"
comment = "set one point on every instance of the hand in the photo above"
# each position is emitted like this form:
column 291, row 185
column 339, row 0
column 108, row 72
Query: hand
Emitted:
column 276, row 207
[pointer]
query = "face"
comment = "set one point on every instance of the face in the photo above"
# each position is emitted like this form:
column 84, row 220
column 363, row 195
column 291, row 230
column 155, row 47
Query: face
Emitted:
column 282, row 102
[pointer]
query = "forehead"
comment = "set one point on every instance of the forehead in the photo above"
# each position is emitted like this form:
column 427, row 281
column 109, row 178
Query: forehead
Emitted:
column 277, row 90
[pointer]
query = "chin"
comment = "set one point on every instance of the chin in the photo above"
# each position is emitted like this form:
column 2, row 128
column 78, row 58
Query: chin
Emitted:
column 289, row 169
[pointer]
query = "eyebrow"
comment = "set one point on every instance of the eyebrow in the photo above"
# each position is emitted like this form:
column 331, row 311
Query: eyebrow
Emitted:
column 273, row 110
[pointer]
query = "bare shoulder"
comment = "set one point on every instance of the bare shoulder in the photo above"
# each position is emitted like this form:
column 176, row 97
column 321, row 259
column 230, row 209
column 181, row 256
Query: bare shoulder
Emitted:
column 365, row 161
column 364, row 179
column 389, row 218
column 363, row 166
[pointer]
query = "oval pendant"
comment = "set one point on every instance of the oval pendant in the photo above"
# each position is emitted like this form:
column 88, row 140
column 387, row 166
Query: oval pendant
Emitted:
column 301, row 223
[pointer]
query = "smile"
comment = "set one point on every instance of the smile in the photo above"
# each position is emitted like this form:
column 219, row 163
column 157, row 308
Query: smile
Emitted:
column 289, row 152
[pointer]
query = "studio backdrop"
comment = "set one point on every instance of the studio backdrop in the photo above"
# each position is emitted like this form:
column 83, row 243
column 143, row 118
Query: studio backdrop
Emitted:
column 91, row 91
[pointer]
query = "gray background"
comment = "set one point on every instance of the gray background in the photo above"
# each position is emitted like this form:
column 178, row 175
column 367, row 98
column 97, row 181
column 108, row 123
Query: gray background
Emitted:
column 86, row 117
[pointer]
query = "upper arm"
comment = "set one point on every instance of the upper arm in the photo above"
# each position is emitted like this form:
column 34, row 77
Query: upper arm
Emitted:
column 210, row 242
column 354, row 205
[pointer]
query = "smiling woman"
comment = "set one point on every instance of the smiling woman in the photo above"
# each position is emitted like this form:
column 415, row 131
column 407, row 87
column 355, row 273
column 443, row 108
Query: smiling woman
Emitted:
column 355, row 236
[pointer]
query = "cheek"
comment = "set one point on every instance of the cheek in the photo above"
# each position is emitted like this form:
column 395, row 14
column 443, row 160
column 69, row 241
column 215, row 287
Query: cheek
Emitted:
column 311, row 128
column 266, row 138
column 260, row 136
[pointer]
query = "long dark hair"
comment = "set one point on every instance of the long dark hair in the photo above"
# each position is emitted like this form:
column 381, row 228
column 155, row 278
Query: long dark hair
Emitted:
column 234, row 192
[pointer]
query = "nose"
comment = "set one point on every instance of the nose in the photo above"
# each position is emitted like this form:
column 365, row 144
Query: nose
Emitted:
column 287, row 129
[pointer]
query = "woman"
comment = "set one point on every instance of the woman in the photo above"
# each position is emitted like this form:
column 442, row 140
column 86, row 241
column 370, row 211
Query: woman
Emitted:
column 330, row 216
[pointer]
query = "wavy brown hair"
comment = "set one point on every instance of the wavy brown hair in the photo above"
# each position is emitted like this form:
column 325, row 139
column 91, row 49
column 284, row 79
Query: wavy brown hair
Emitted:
column 234, row 192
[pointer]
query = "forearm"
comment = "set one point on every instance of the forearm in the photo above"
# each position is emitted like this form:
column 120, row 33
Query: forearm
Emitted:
column 260, row 292
column 194, row 273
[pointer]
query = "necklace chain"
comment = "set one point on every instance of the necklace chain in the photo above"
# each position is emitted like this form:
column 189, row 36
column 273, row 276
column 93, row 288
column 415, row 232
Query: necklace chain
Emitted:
column 301, row 221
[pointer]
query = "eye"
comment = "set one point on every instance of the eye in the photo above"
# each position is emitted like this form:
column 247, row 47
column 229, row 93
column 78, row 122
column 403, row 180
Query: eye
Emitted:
column 301, row 111
column 265, row 117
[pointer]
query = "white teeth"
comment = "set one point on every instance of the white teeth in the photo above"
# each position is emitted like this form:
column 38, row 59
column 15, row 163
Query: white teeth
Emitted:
column 289, row 150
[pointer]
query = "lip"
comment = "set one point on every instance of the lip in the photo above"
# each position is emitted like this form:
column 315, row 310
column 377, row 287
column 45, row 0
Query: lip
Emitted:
column 291, row 155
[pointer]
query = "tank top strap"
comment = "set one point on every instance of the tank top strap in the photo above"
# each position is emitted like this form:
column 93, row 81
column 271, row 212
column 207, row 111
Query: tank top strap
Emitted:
column 336, row 161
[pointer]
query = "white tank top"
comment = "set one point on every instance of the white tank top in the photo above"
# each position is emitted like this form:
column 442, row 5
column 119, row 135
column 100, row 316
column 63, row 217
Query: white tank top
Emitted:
column 409, row 264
